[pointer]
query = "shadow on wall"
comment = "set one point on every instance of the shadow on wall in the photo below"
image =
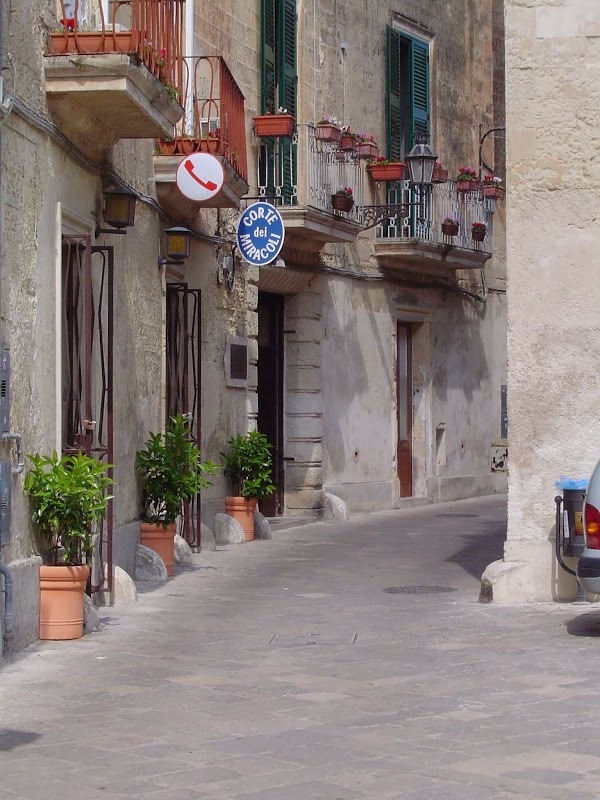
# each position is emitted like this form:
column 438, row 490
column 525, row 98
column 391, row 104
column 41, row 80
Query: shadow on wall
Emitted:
column 481, row 548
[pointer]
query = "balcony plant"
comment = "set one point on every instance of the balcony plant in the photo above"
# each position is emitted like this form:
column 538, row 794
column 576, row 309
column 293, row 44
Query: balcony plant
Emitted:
column 366, row 146
column 328, row 129
column 478, row 231
column 172, row 474
column 492, row 187
column 466, row 180
column 348, row 139
column 69, row 498
column 381, row 169
column 248, row 465
column 343, row 199
column 440, row 174
column 274, row 125
column 166, row 147
column 450, row 227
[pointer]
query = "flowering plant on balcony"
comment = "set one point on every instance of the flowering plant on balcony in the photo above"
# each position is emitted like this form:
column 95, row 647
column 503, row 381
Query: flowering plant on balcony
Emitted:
column 466, row 180
column 348, row 139
column 382, row 169
column 68, row 23
column 343, row 199
column 478, row 231
column 345, row 191
column 328, row 129
column 269, row 125
column 327, row 120
column 492, row 189
column 450, row 226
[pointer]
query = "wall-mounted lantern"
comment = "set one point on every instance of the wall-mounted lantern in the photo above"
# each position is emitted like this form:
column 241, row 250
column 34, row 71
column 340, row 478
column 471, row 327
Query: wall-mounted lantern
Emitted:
column 119, row 211
column 421, row 161
column 177, row 246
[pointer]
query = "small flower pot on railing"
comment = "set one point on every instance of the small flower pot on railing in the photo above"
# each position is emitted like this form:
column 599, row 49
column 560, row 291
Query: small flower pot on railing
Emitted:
column 492, row 192
column 466, row 180
column 328, row 132
column 342, row 201
column 478, row 231
column 467, row 186
column 347, row 141
column 450, row 227
column 267, row 126
column 367, row 150
column 386, row 171
column 166, row 147
column 186, row 145
column 440, row 175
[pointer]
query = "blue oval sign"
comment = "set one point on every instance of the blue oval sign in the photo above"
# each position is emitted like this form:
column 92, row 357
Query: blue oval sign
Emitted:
column 260, row 234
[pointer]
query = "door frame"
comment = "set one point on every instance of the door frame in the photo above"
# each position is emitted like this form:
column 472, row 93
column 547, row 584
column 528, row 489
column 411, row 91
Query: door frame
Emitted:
column 404, row 447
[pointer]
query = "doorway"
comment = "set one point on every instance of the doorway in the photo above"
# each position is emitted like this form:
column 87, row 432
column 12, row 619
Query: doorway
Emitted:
column 270, row 392
column 404, row 406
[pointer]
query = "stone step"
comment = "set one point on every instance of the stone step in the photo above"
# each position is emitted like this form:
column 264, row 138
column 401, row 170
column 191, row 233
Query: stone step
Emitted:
column 285, row 523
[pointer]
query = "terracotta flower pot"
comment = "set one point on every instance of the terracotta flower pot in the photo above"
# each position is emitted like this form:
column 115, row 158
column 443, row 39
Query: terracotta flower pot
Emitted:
column 440, row 175
column 64, row 42
column 492, row 192
column 61, row 601
column 186, row 145
column 387, row 172
column 327, row 132
column 367, row 150
column 167, row 147
column 467, row 186
column 347, row 141
column 210, row 145
column 161, row 540
column 341, row 202
column 478, row 235
column 267, row 125
column 242, row 509
column 448, row 229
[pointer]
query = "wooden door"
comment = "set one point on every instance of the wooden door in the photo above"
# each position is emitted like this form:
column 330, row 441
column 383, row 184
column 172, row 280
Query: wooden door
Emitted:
column 404, row 408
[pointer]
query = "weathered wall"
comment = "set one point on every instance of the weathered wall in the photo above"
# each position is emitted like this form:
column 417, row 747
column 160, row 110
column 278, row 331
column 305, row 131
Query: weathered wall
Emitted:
column 553, row 237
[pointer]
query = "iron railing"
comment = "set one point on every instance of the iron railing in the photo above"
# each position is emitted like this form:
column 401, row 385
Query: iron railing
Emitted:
column 305, row 171
column 213, row 120
column 151, row 30
column 421, row 216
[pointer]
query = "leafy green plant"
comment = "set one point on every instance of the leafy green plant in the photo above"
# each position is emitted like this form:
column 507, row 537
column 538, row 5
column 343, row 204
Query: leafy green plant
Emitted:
column 248, row 465
column 171, row 472
column 68, row 496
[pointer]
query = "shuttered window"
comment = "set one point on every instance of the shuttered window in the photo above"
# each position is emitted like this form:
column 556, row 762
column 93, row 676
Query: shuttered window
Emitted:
column 279, row 74
column 407, row 105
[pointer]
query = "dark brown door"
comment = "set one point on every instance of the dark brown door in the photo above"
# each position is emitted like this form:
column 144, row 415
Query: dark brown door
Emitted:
column 270, row 391
column 404, row 407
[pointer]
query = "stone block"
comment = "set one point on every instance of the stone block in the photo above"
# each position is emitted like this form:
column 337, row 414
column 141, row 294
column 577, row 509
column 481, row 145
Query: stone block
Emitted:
column 251, row 271
column 507, row 582
column 251, row 323
column 26, row 601
column 303, row 354
column 304, row 426
column 307, row 453
column 299, row 402
column 262, row 529
column 306, row 305
column 91, row 620
column 124, row 590
column 228, row 530
column 304, row 330
column 304, row 379
column 252, row 351
column 298, row 476
column 251, row 296
column 183, row 552
column 304, row 500
column 149, row 566
column 335, row 508
column 207, row 540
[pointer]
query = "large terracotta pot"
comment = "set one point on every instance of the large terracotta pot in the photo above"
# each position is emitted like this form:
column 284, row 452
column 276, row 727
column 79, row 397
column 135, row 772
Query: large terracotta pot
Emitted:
column 93, row 42
column 61, row 601
column 267, row 125
column 242, row 509
column 386, row 172
column 161, row 540
column 341, row 202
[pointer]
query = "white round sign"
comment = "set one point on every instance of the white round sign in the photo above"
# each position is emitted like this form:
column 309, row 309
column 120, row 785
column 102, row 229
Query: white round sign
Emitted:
column 200, row 176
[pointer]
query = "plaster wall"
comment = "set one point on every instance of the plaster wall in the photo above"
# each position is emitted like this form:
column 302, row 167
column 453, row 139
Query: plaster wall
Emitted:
column 553, row 119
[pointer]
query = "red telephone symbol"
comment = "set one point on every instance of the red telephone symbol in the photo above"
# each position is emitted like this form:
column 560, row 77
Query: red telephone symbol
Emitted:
column 208, row 185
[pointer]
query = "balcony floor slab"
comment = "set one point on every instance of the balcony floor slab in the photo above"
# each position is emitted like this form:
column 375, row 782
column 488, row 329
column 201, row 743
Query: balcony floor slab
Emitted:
column 423, row 258
column 316, row 228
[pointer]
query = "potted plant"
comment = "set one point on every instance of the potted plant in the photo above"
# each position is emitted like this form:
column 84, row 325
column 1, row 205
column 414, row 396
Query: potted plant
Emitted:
column 440, row 174
column 274, row 125
column 491, row 186
column 366, row 146
column 212, row 143
column 172, row 474
column 74, row 37
column 348, row 139
column 466, row 180
column 166, row 147
column 248, row 467
column 328, row 129
column 342, row 200
column 69, row 498
column 381, row 169
column 450, row 227
column 478, row 230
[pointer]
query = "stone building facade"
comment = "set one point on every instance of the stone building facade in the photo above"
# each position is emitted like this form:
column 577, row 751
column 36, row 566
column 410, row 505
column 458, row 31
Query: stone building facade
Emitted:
column 553, row 119
column 374, row 346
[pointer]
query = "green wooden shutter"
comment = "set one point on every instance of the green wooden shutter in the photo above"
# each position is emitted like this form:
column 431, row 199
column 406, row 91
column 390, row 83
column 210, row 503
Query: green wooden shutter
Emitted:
column 267, row 57
column 288, row 71
column 393, row 92
column 419, row 88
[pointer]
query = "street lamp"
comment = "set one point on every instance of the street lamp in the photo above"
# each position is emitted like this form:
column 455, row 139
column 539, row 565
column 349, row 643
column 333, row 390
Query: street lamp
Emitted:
column 119, row 211
column 421, row 161
column 177, row 246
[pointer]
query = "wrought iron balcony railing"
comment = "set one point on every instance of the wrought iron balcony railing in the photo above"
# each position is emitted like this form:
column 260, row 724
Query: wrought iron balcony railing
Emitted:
column 213, row 120
column 150, row 30
column 305, row 171
column 414, row 217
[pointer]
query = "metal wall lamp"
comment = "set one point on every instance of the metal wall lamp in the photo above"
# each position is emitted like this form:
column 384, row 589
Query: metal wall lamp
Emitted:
column 177, row 246
column 421, row 161
column 119, row 211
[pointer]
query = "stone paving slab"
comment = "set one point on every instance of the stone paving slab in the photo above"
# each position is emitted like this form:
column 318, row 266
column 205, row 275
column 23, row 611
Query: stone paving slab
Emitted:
column 281, row 669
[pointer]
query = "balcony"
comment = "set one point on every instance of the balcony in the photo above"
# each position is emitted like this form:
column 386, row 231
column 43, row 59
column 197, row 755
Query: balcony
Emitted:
column 117, row 75
column 409, row 239
column 299, row 176
column 214, row 123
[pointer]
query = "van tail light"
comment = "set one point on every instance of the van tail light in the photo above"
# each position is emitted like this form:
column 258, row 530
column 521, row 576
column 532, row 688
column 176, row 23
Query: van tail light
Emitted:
column 592, row 527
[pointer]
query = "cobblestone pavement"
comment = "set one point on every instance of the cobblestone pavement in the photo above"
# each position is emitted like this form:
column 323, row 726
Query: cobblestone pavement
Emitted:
column 283, row 670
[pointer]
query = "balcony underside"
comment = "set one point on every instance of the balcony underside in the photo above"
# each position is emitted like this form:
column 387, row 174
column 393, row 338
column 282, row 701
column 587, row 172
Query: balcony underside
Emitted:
column 308, row 228
column 101, row 98
column 178, row 205
column 430, row 259
column 281, row 279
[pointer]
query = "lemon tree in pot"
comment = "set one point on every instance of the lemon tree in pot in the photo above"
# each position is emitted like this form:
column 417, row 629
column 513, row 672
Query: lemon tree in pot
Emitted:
column 248, row 465
column 172, row 473
column 69, row 497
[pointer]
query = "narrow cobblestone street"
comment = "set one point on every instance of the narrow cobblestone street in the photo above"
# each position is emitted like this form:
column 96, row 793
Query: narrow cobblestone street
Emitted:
column 284, row 669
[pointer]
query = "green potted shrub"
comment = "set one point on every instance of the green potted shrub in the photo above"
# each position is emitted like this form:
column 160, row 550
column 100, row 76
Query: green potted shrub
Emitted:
column 172, row 473
column 69, row 497
column 248, row 465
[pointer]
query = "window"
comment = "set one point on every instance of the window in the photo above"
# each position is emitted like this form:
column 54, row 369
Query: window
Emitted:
column 279, row 76
column 407, row 106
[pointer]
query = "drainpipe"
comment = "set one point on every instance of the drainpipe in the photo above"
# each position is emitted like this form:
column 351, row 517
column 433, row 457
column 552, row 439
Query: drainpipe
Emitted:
column 8, row 615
